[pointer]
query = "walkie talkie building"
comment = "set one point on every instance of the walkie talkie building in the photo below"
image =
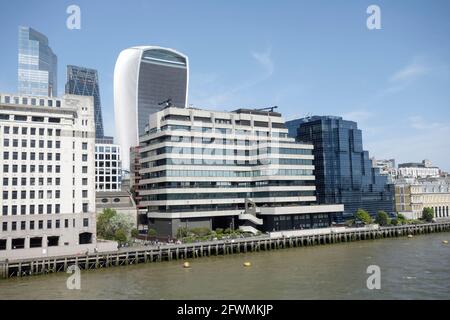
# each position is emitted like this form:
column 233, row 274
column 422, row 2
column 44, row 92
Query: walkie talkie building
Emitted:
column 143, row 78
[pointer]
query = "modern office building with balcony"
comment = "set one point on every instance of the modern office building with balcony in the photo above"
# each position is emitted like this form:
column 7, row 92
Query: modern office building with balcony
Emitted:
column 38, row 71
column 84, row 81
column 144, row 78
column 47, row 174
column 343, row 170
column 235, row 169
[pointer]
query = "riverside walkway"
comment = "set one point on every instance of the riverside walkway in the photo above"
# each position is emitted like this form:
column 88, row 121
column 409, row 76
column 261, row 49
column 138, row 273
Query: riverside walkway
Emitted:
column 168, row 252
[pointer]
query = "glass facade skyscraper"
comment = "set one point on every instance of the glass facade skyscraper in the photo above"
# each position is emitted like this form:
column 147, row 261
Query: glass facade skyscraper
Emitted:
column 343, row 170
column 37, row 72
column 84, row 81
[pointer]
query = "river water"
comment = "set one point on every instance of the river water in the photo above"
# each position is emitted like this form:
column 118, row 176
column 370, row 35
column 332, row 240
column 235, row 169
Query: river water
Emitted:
column 416, row 268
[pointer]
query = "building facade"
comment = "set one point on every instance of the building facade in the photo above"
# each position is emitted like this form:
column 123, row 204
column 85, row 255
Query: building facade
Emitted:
column 145, row 78
column 236, row 169
column 108, row 172
column 343, row 170
column 47, row 174
column 38, row 65
column 120, row 201
column 84, row 81
column 411, row 199
column 425, row 169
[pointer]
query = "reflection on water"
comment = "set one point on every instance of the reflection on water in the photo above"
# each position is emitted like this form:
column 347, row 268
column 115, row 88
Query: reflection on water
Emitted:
column 417, row 268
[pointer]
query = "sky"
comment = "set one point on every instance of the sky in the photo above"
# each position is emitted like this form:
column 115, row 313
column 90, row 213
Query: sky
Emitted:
column 307, row 57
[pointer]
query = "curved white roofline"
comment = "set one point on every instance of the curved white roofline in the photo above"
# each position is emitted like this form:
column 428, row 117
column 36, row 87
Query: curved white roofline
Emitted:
column 126, row 78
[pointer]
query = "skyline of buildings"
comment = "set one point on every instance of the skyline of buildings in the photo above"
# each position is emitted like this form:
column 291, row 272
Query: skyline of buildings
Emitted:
column 250, row 174
column 146, row 79
column 37, row 64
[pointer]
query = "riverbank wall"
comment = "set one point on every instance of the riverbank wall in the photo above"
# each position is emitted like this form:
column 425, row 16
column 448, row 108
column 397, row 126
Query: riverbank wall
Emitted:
column 274, row 241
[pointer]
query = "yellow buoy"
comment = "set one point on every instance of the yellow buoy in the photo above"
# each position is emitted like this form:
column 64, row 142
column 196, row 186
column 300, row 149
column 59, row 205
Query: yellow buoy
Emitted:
column 410, row 235
column 445, row 242
column 186, row 265
column 247, row 264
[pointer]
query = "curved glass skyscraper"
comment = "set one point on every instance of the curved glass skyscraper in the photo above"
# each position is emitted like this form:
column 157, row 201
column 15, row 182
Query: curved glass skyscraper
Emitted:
column 144, row 77
column 37, row 73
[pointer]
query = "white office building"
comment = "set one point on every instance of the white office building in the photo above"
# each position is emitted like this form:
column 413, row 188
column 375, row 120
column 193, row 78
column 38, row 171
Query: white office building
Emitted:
column 108, row 172
column 236, row 169
column 47, row 175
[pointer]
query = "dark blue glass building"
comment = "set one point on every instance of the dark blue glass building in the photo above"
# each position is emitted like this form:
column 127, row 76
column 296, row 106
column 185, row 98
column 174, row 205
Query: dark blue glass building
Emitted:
column 84, row 82
column 343, row 170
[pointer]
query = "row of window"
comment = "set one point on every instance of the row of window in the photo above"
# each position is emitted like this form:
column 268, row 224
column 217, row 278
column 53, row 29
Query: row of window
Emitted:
column 32, row 168
column 223, row 173
column 24, row 143
column 33, row 131
column 37, row 209
column 32, row 101
column 41, row 156
column 228, row 195
column 210, row 140
column 225, row 152
column 33, row 181
column 224, row 162
column 39, row 225
column 32, row 194
column 226, row 184
column 32, row 209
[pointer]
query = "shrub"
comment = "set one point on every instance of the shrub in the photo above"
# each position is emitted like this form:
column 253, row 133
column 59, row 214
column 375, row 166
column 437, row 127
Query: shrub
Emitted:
column 152, row 232
column 363, row 216
column 382, row 218
column 427, row 214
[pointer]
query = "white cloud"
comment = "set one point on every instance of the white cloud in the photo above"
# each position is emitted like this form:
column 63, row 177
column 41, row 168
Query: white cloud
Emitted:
column 419, row 123
column 358, row 115
column 402, row 78
column 409, row 73
column 265, row 60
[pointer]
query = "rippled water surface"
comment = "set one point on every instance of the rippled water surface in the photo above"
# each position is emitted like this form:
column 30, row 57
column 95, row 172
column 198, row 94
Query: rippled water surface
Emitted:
column 417, row 268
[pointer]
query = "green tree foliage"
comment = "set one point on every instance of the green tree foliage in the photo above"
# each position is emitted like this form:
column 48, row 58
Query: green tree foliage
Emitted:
column 382, row 218
column 113, row 226
column 401, row 218
column 120, row 236
column 134, row 233
column 394, row 222
column 152, row 232
column 427, row 214
column 363, row 216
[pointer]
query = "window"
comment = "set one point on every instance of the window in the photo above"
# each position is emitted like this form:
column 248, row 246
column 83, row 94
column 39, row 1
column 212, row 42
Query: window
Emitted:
column 5, row 210
column 86, row 222
column 5, row 226
column 49, row 224
column 84, row 157
column 84, row 146
column 85, row 207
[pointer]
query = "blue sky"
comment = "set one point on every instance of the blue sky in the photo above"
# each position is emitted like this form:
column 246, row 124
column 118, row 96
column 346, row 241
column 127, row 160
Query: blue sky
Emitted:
column 307, row 57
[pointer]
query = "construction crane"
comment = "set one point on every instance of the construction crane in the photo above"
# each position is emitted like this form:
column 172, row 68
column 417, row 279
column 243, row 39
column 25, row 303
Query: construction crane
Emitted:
column 270, row 109
column 167, row 102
